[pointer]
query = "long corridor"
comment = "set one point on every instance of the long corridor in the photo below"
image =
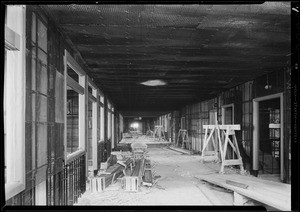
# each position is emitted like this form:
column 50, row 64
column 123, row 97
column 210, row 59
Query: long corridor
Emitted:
column 177, row 184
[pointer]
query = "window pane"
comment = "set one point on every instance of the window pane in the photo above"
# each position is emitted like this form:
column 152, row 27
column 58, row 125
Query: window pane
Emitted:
column 42, row 36
column 33, row 28
column 72, row 121
column 90, row 136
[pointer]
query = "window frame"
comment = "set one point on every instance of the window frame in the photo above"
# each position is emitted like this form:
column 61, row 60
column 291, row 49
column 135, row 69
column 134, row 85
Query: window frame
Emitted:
column 101, row 114
column 80, row 88
column 94, row 99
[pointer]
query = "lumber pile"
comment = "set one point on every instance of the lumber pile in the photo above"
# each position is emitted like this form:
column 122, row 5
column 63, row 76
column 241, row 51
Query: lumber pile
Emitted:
column 140, row 175
column 106, row 178
column 135, row 167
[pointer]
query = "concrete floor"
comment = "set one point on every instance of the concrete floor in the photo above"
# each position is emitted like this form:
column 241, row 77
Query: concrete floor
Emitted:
column 177, row 184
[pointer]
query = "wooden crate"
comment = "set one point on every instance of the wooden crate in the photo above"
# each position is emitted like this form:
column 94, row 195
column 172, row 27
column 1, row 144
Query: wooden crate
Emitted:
column 97, row 184
column 131, row 183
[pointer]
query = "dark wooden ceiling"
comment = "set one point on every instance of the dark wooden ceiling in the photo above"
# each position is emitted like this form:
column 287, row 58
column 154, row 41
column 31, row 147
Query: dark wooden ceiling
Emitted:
column 199, row 50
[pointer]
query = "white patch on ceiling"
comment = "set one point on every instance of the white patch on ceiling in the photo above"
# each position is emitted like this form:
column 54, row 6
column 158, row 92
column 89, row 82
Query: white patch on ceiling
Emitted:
column 156, row 82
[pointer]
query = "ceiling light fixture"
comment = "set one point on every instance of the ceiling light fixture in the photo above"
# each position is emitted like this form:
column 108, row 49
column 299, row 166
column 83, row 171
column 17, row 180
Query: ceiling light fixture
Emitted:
column 156, row 82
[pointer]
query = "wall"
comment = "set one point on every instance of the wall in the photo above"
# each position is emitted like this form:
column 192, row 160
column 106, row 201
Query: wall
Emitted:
column 198, row 114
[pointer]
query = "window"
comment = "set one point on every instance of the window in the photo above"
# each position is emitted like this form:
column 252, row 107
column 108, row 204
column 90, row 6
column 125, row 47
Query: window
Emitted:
column 101, row 114
column 108, row 120
column 14, row 101
column 182, row 123
column 228, row 114
column 112, row 128
column 92, row 126
column 75, row 108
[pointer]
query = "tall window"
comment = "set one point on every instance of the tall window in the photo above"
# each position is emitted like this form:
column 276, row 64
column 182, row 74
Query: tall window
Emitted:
column 101, row 113
column 75, row 80
column 112, row 128
column 108, row 120
column 92, row 126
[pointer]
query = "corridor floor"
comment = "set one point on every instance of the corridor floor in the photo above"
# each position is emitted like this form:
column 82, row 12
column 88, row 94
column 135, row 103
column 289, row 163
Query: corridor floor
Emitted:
column 177, row 184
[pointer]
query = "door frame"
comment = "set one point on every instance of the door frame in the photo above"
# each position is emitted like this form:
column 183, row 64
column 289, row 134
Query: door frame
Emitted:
column 256, row 131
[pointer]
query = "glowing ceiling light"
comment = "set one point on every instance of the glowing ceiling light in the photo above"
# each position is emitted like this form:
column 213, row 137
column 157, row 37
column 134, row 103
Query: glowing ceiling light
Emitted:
column 156, row 82
column 134, row 125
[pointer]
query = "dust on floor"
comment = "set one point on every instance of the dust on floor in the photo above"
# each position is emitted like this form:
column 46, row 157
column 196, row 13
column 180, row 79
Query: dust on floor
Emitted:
column 176, row 184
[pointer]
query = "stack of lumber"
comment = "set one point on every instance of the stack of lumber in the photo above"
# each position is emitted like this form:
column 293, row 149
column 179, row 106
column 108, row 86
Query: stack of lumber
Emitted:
column 111, row 174
column 141, row 174
column 138, row 170
column 132, row 182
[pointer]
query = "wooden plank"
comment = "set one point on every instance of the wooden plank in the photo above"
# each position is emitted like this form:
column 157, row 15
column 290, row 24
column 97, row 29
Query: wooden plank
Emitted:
column 224, row 127
column 257, row 191
column 276, row 187
column 184, row 151
column 74, row 85
column 73, row 64
column 241, row 185
column 232, row 162
column 275, row 126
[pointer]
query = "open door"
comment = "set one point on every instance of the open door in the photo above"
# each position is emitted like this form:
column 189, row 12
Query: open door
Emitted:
column 268, row 146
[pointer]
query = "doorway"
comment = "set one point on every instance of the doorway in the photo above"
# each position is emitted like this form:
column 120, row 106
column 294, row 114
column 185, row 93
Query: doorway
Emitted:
column 268, row 135
column 269, row 138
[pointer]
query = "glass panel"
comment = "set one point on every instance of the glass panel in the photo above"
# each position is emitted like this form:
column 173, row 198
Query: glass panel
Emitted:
column 41, row 144
column 102, row 124
column 33, row 28
column 42, row 36
column 109, row 125
column 90, row 136
column 72, row 121
column 43, row 73
column 33, row 144
column 228, row 115
column 42, row 108
column 90, row 89
column 33, row 106
column 33, row 69
column 59, row 98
